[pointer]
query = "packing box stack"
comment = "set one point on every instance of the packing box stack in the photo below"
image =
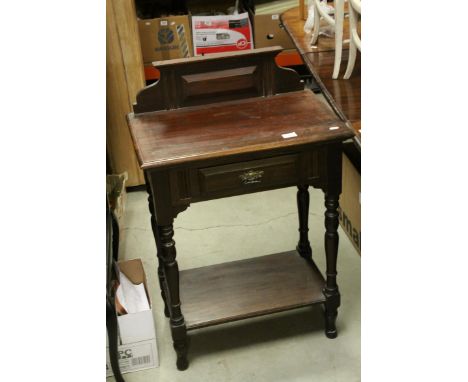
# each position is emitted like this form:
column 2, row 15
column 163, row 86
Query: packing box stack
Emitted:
column 209, row 26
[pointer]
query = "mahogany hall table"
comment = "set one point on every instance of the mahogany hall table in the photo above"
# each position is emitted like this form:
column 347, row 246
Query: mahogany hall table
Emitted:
column 232, row 124
column 344, row 96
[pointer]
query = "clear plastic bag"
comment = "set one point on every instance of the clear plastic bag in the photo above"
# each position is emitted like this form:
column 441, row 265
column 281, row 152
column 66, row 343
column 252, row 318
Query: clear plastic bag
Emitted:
column 309, row 24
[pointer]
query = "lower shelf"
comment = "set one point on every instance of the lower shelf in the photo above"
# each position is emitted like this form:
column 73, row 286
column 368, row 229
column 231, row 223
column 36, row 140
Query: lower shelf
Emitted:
column 247, row 288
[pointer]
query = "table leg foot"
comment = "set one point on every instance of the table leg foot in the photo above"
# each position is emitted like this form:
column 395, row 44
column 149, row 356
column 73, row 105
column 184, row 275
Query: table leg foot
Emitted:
column 306, row 253
column 331, row 332
column 179, row 335
column 331, row 313
column 182, row 363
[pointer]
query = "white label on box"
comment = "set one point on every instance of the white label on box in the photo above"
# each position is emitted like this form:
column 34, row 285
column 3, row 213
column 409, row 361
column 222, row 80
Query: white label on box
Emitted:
column 274, row 17
column 132, row 357
column 163, row 23
column 289, row 135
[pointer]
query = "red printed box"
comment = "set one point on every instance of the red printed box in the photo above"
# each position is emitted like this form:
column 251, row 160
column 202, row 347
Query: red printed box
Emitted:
column 214, row 34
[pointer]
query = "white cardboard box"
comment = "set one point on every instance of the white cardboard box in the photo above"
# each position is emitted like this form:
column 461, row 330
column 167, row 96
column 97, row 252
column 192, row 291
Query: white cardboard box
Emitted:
column 137, row 337
column 226, row 33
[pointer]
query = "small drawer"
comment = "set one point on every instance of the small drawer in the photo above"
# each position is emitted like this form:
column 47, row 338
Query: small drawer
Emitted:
column 263, row 173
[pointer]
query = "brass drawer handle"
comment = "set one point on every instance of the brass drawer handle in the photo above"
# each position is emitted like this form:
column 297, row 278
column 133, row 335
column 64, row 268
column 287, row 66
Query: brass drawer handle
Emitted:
column 251, row 176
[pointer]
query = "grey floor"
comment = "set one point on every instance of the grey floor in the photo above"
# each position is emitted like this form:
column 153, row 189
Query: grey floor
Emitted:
column 288, row 346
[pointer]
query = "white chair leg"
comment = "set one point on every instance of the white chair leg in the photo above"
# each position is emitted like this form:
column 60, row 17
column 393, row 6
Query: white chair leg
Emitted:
column 353, row 46
column 339, row 17
column 316, row 30
column 351, row 59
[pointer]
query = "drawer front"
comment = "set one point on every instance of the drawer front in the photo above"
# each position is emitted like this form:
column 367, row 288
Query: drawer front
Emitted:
column 240, row 177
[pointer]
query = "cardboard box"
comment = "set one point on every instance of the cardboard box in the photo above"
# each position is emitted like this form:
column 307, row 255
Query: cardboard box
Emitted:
column 165, row 38
column 350, row 203
column 137, row 349
column 225, row 33
column 269, row 31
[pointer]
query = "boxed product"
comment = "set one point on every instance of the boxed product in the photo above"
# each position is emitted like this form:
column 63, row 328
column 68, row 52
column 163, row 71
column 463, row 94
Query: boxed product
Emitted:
column 268, row 29
column 165, row 38
column 350, row 203
column 270, row 32
column 137, row 336
column 221, row 33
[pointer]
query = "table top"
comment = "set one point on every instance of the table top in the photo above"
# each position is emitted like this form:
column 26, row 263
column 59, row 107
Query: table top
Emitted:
column 343, row 95
column 223, row 129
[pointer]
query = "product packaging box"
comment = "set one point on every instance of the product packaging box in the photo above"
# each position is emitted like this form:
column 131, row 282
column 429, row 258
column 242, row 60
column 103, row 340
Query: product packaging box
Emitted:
column 137, row 336
column 223, row 33
column 165, row 38
column 268, row 29
column 270, row 32
column 350, row 203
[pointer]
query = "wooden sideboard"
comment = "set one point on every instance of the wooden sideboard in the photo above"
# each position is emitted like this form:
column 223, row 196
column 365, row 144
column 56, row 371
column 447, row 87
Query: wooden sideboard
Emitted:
column 225, row 125
column 344, row 96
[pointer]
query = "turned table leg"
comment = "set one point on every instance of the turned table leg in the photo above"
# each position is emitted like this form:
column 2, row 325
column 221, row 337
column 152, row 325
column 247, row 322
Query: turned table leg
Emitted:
column 303, row 247
column 158, row 247
column 331, row 291
column 171, row 272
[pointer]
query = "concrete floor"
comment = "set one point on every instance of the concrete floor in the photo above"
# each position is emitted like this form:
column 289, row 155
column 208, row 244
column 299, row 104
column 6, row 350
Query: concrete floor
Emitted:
column 289, row 346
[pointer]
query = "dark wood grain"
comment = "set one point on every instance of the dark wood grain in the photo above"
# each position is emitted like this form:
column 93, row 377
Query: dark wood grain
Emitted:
column 223, row 129
column 171, row 273
column 203, row 152
column 346, row 93
column 303, row 247
column 246, row 288
column 159, row 250
column 331, row 249
column 240, row 176
column 177, row 187
column 215, row 78
column 332, row 194
column 344, row 96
